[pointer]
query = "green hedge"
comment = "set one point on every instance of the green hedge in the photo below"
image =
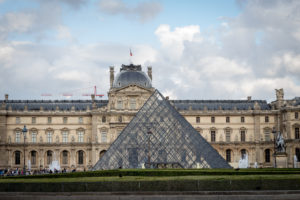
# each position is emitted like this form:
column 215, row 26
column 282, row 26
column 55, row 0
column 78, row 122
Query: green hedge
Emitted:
column 166, row 172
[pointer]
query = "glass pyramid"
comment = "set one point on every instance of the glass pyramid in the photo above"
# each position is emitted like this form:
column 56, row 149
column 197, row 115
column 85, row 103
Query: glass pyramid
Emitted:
column 159, row 137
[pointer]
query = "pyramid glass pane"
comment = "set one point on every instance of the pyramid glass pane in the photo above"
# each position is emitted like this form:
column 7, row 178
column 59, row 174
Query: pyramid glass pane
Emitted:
column 158, row 136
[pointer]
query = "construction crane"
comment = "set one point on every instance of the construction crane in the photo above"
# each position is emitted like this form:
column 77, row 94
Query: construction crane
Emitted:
column 70, row 94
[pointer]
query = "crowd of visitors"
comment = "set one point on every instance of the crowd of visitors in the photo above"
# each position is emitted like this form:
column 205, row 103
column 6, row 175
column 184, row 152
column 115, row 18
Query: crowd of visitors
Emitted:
column 17, row 172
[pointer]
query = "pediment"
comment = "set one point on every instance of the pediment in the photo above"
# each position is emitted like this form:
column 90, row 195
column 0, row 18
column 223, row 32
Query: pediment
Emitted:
column 133, row 88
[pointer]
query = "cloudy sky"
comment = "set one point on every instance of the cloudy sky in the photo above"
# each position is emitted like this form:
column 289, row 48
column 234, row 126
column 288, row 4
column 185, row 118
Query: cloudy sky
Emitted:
column 218, row 49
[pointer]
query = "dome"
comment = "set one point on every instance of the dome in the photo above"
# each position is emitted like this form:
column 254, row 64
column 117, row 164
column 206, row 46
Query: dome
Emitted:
column 131, row 75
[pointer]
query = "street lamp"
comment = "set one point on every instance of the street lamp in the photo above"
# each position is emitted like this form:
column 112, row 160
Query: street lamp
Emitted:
column 24, row 131
column 274, row 134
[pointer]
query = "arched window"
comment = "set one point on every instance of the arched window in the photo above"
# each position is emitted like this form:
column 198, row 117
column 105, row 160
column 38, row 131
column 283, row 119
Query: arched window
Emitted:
column 49, row 157
column 267, row 156
column 298, row 154
column 80, row 157
column 65, row 157
column 103, row 119
column 297, row 136
column 243, row 153
column 228, row 155
column 212, row 135
column 17, row 157
column 33, row 157
column 102, row 153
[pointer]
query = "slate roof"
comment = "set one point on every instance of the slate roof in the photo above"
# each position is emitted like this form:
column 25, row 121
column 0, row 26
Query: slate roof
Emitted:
column 52, row 104
column 216, row 104
column 297, row 103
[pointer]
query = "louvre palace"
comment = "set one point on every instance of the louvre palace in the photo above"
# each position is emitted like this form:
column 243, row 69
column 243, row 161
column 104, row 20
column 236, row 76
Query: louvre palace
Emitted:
column 77, row 133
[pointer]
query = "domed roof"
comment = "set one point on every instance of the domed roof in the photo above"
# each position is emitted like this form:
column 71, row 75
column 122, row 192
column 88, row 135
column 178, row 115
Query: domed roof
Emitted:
column 131, row 75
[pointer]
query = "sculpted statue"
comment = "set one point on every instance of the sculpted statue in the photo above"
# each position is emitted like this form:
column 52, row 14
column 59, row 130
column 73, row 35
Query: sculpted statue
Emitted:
column 279, row 93
column 280, row 145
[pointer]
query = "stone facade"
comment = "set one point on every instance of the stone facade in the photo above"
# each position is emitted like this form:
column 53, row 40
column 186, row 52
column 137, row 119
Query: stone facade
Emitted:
column 78, row 132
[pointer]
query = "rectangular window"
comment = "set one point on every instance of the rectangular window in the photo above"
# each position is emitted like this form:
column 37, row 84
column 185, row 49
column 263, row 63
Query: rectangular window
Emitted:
column 33, row 120
column 80, row 120
column 33, row 137
column 243, row 136
column 65, row 136
column 227, row 132
column 18, row 120
column 242, row 119
column 49, row 120
column 103, row 137
column 212, row 119
column 65, row 120
column 65, row 157
column 297, row 136
column 132, row 103
column 227, row 119
column 120, row 119
column 213, row 136
column 119, row 104
column 266, row 119
column 228, row 155
column 267, row 135
column 18, row 136
column 33, row 157
column 17, row 157
column 296, row 115
column 49, row 157
column 49, row 136
column 197, row 119
column 80, row 136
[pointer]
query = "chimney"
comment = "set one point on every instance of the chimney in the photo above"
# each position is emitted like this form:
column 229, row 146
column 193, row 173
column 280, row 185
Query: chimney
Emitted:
column 6, row 97
column 150, row 72
column 249, row 98
column 112, row 77
column 279, row 97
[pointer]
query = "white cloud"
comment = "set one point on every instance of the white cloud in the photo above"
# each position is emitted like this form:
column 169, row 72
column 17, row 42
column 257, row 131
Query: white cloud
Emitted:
column 143, row 11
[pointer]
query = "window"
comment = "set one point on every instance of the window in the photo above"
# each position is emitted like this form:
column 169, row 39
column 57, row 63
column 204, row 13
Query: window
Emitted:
column 49, row 157
column 33, row 137
column 243, row 153
column 103, row 119
column 132, row 103
column 104, row 137
column 242, row 119
column 102, row 153
column 228, row 155
column 49, row 136
column 49, row 120
column 18, row 136
column 197, row 119
column 243, row 135
column 297, row 151
column 213, row 136
column 267, row 155
column 33, row 157
column 227, row 119
column 18, row 120
column 296, row 115
column 65, row 136
column 297, row 136
column 266, row 119
column 17, row 157
column 80, row 136
column 119, row 104
column 267, row 135
column 227, row 133
column 65, row 120
column 120, row 119
column 65, row 157
column 212, row 119
column 80, row 157
column 80, row 120
column 33, row 120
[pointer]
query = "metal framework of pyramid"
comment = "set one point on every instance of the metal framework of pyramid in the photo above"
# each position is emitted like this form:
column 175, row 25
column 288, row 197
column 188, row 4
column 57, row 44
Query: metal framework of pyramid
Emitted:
column 159, row 137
